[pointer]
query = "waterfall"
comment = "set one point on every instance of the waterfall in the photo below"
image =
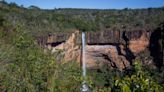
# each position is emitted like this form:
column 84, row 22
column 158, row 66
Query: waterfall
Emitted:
column 83, row 55
column 84, row 87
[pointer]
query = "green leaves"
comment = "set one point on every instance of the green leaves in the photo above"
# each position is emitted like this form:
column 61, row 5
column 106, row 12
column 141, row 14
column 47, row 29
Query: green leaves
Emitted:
column 126, row 88
column 29, row 69
column 138, row 82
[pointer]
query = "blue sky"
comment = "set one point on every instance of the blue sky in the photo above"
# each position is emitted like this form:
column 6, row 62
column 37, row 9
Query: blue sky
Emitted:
column 98, row 4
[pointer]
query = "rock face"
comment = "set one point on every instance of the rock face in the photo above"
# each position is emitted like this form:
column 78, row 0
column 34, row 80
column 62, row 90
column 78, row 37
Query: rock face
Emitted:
column 138, row 45
column 116, row 48
column 157, row 47
column 137, row 40
column 104, row 37
column 71, row 50
column 97, row 55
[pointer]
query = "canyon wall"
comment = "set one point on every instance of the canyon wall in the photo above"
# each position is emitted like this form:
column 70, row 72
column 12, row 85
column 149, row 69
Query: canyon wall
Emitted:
column 118, row 48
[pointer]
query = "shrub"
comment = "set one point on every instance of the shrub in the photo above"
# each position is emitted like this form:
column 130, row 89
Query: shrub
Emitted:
column 26, row 68
column 137, row 82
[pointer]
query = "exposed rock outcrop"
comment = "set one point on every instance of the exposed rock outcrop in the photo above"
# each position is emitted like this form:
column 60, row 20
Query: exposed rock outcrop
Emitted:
column 107, row 36
column 71, row 50
column 137, row 40
column 157, row 46
column 139, row 45
column 115, row 48
column 97, row 55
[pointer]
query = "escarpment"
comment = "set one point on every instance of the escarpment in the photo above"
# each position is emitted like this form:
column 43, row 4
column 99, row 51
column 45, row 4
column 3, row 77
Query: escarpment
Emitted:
column 117, row 48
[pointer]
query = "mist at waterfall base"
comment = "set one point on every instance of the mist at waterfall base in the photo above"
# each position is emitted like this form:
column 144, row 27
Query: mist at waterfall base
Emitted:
column 84, row 87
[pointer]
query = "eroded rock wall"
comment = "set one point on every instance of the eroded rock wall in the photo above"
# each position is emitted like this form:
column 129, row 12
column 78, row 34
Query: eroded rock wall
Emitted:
column 97, row 55
column 116, row 48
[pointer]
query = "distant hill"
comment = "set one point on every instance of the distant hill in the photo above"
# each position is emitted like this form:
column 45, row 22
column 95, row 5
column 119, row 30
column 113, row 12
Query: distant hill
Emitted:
column 40, row 21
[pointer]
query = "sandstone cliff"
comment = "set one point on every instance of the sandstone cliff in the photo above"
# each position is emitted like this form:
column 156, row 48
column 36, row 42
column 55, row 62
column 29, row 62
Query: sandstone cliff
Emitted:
column 116, row 48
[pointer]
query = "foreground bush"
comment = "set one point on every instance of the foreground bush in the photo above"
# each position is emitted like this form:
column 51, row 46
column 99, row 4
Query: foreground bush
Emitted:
column 139, row 81
column 26, row 68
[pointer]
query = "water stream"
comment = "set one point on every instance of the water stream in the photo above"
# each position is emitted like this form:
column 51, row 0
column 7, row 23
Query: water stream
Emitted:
column 84, row 87
column 83, row 55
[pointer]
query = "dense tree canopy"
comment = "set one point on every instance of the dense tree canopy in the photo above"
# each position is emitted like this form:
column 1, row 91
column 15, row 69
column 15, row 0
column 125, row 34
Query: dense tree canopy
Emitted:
column 39, row 21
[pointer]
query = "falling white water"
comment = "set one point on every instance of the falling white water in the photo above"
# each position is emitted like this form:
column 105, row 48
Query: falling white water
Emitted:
column 84, row 86
column 83, row 55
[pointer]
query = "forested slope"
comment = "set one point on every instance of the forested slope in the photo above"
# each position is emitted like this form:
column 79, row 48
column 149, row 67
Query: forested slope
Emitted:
column 41, row 21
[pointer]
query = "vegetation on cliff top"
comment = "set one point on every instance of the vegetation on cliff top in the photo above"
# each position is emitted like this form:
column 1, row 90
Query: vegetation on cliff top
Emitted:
column 39, row 21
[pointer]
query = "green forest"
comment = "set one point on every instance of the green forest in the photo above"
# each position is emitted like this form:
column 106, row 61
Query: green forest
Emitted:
column 24, row 67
